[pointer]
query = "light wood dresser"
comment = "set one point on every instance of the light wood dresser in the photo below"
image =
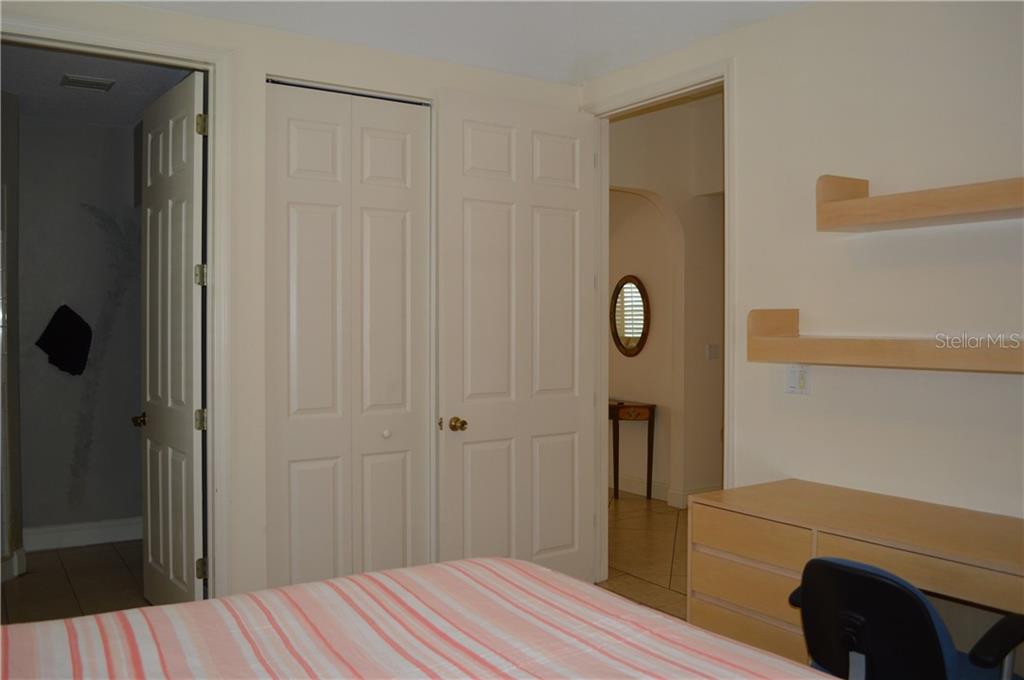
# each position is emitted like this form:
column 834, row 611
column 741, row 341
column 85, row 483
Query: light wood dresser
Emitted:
column 748, row 546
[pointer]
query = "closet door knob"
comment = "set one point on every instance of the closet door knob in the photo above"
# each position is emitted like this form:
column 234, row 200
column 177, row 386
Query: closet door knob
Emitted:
column 386, row 434
column 457, row 424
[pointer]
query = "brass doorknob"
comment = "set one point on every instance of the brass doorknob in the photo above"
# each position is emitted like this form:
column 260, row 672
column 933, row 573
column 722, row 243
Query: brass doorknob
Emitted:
column 139, row 420
column 457, row 424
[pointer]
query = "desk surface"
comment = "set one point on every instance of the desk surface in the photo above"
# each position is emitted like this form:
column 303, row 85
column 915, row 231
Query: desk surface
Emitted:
column 981, row 539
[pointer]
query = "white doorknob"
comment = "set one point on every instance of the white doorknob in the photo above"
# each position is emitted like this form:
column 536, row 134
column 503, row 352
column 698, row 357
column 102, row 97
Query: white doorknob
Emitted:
column 386, row 434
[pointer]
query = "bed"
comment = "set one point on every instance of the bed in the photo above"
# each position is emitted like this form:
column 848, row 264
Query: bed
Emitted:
column 477, row 618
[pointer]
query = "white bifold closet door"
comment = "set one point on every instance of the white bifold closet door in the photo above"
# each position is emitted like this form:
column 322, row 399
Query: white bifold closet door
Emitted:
column 516, row 289
column 348, row 424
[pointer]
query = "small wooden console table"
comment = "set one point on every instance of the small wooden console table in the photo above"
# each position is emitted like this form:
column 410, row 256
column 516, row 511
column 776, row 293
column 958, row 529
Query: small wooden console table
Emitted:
column 633, row 411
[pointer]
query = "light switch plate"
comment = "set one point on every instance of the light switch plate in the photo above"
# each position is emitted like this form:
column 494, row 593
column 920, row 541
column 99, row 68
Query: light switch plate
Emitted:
column 798, row 379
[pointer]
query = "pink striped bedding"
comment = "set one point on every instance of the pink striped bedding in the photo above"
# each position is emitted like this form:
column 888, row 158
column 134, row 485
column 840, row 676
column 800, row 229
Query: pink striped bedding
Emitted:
column 475, row 618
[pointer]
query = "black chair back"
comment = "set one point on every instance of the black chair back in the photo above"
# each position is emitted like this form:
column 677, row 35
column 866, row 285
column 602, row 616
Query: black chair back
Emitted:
column 850, row 607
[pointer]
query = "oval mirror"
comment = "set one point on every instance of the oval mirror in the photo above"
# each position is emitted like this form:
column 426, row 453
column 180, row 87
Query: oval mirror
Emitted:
column 630, row 315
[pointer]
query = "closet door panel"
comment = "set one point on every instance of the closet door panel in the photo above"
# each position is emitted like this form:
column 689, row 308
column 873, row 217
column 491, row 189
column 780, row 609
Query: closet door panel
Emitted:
column 314, row 492
column 488, row 488
column 390, row 333
column 387, row 537
column 385, row 340
column 489, row 300
column 555, row 297
column 348, row 333
column 309, row 413
column 516, row 286
column 314, row 303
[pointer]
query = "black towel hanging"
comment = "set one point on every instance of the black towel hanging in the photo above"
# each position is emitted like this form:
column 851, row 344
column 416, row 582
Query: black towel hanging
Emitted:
column 66, row 340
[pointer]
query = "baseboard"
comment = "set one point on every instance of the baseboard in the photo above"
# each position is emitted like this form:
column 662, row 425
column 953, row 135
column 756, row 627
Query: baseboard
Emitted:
column 638, row 485
column 86, row 533
column 13, row 565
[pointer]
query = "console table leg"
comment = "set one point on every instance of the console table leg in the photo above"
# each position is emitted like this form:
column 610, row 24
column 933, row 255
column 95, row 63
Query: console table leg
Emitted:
column 650, row 453
column 615, row 457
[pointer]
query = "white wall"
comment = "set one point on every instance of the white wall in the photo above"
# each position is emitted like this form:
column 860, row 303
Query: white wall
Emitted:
column 911, row 96
column 703, row 346
column 251, row 54
column 80, row 453
column 677, row 152
column 643, row 243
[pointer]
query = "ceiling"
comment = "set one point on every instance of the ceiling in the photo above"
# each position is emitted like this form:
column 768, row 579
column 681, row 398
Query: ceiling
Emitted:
column 35, row 74
column 567, row 42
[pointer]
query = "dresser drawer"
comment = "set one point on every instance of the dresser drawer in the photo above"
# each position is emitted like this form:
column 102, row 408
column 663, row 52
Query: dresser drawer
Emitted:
column 975, row 584
column 748, row 630
column 758, row 539
column 763, row 591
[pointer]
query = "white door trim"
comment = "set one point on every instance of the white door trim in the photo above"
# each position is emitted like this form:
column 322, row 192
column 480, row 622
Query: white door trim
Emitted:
column 604, row 108
column 218, row 219
column 13, row 565
column 602, row 347
column 343, row 89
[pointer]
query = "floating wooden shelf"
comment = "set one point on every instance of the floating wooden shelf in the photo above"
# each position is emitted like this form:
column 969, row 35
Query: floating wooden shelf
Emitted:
column 773, row 336
column 844, row 204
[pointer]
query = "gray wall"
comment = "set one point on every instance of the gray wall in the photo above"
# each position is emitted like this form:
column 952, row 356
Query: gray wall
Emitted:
column 80, row 454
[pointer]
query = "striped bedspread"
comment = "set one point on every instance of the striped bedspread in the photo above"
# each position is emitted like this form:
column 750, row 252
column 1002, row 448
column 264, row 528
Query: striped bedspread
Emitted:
column 475, row 618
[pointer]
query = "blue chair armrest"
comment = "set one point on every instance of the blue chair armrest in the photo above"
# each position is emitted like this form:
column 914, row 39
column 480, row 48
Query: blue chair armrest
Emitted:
column 999, row 641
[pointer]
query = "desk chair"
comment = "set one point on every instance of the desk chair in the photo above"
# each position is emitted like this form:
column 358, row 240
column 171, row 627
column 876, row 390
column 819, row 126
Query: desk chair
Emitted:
column 861, row 622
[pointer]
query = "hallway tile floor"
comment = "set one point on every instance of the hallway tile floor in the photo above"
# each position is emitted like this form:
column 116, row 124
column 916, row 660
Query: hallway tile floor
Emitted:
column 75, row 581
column 647, row 553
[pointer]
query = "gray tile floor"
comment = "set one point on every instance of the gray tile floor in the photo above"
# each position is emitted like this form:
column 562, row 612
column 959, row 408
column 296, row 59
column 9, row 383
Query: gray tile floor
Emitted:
column 74, row 581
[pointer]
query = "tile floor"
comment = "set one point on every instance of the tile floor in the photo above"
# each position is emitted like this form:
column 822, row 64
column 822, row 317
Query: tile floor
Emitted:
column 75, row 581
column 646, row 563
column 647, row 553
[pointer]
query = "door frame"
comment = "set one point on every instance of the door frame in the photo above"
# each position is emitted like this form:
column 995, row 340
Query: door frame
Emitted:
column 215, row 64
column 660, row 91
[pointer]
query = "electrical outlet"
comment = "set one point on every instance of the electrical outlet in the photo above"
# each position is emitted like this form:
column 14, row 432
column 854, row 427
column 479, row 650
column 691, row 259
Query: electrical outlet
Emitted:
column 798, row 377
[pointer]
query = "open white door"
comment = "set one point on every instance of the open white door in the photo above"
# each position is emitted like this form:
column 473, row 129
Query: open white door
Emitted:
column 171, row 350
column 516, row 294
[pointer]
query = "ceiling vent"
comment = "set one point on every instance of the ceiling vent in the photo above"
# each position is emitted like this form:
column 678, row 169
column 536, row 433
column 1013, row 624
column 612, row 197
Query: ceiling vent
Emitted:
column 86, row 82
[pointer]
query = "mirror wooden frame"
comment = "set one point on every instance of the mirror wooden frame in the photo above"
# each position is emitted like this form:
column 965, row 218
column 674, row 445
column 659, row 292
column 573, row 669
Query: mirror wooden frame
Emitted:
column 630, row 351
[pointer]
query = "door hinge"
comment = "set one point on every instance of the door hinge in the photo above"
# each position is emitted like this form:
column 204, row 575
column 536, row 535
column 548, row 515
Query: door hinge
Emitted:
column 201, row 419
column 201, row 572
column 202, row 124
column 199, row 274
